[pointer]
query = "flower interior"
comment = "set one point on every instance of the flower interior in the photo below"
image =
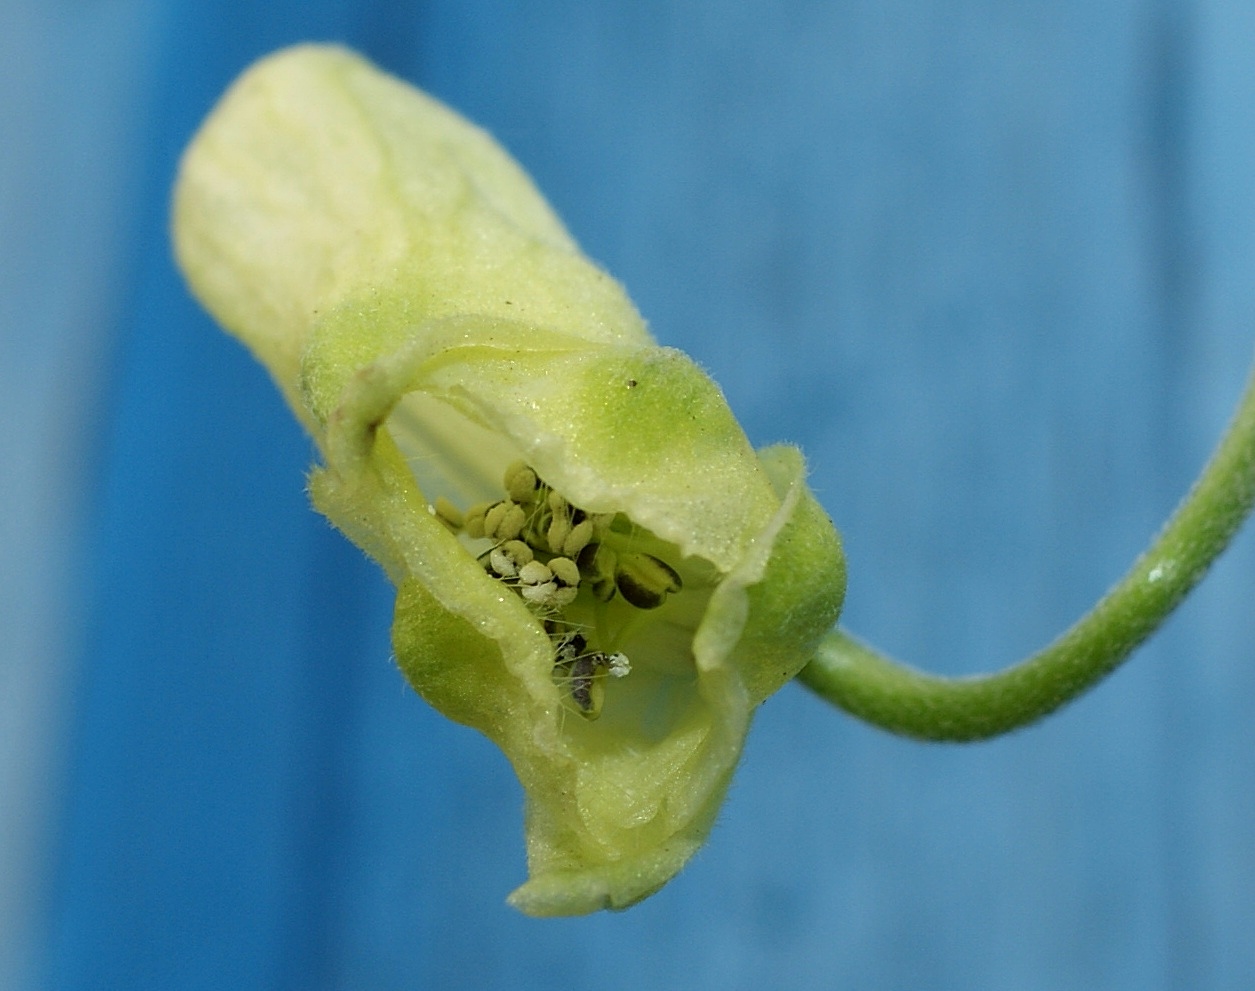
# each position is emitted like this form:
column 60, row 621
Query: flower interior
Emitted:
column 590, row 579
column 618, row 604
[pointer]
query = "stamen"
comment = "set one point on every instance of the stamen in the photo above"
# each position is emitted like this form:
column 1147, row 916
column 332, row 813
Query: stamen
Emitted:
column 504, row 521
column 448, row 514
column 521, row 482
column 474, row 524
column 645, row 581
column 506, row 559
column 535, row 573
column 576, row 539
column 548, row 551
column 565, row 571
column 597, row 564
column 558, row 532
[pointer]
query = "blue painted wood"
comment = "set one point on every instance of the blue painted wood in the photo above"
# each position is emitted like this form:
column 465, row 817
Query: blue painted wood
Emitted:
column 990, row 264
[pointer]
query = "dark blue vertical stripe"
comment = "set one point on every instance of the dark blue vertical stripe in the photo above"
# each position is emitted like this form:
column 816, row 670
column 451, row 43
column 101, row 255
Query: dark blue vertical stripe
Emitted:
column 206, row 807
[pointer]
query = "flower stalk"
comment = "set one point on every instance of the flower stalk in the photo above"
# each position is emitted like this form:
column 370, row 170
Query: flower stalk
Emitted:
column 898, row 698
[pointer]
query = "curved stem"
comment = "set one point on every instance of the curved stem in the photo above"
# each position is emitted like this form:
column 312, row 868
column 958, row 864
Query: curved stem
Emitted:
column 903, row 700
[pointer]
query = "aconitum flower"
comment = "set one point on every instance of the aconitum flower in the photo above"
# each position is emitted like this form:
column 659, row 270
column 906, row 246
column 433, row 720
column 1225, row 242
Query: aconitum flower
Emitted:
column 593, row 566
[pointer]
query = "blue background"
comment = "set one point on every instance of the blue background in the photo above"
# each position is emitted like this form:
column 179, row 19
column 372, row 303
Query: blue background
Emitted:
column 991, row 265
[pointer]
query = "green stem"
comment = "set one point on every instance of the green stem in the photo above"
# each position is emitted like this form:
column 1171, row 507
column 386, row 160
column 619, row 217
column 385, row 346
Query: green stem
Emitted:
column 898, row 698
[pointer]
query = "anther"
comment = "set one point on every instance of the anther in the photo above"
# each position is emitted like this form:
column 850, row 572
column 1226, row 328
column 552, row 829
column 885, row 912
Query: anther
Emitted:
column 576, row 539
column 558, row 532
column 512, row 526
column 565, row 571
column 566, row 579
column 544, row 595
column 474, row 522
column 504, row 521
column 493, row 518
column 535, row 573
column 448, row 514
column 596, row 563
column 520, row 482
column 506, row 559
column 538, row 586
column 645, row 581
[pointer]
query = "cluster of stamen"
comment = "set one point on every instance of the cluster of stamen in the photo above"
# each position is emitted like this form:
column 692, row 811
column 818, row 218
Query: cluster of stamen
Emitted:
column 548, row 551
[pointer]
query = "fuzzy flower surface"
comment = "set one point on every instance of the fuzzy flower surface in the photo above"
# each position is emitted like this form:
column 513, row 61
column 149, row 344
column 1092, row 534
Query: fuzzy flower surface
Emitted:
column 593, row 566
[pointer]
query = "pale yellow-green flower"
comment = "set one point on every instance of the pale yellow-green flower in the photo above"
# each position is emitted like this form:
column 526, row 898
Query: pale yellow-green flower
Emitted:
column 593, row 567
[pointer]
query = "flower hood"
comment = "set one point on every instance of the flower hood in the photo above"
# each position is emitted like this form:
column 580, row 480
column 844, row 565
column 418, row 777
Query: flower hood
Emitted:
column 593, row 566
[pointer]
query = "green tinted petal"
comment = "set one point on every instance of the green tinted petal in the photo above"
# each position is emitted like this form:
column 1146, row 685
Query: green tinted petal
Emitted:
column 432, row 324
column 793, row 592
column 317, row 177
column 639, row 430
